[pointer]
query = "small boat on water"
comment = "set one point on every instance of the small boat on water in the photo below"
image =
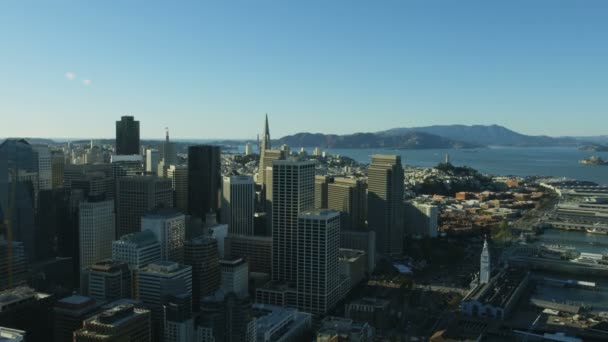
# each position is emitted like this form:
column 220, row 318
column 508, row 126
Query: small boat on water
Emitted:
column 596, row 230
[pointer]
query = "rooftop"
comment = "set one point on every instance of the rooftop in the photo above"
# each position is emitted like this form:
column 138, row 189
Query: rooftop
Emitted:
column 141, row 239
column 499, row 290
column 8, row 334
column 18, row 294
column 339, row 325
column 319, row 214
column 109, row 266
column 75, row 301
column 164, row 267
column 163, row 213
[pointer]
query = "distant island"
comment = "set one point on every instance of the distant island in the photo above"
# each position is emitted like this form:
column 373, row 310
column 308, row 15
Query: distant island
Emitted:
column 408, row 140
column 593, row 161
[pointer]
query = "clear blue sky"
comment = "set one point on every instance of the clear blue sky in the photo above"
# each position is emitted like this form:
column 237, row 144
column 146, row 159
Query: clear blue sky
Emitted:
column 212, row 69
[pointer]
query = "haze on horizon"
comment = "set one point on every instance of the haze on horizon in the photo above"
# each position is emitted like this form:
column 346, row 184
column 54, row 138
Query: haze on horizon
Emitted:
column 212, row 70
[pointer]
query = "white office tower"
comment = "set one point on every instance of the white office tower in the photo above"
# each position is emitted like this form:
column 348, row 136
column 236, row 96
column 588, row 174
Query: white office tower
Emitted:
column 160, row 281
column 238, row 204
column 45, row 175
column 485, row 269
column 318, row 265
column 137, row 249
column 247, row 149
column 152, row 159
column 96, row 227
column 235, row 277
column 421, row 219
column 178, row 174
column 169, row 227
column 293, row 184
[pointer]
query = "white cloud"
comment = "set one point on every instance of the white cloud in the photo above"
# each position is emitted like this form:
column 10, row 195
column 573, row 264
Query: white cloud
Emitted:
column 70, row 76
column 87, row 82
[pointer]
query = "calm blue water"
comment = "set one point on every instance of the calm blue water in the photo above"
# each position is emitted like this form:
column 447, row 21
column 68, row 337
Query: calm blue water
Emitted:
column 508, row 161
column 518, row 161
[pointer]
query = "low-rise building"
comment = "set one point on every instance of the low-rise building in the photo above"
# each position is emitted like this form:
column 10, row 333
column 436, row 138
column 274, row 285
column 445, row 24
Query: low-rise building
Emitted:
column 344, row 329
column 278, row 324
column 497, row 298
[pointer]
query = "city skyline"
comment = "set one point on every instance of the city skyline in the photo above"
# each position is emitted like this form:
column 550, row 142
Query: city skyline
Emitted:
column 70, row 67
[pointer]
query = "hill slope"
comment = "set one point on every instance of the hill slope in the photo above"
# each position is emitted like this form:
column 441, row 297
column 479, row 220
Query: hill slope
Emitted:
column 486, row 135
column 407, row 140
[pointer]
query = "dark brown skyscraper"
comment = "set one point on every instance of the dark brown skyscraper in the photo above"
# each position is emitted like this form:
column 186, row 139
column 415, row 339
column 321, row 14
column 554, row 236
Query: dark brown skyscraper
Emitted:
column 137, row 195
column 385, row 203
column 204, row 179
column 127, row 136
column 347, row 195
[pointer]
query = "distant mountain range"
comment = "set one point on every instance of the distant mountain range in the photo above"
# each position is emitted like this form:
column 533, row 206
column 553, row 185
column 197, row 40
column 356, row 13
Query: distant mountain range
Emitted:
column 440, row 136
column 488, row 135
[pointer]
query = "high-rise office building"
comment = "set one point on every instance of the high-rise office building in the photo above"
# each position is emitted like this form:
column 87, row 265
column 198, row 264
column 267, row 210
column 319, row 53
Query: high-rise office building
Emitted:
column 321, row 185
column 57, row 167
column 248, row 148
column 318, row 266
column 169, row 227
column 267, row 156
column 15, row 268
column 202, row 255
column 348, row 196
column 127, row 165
column 152, row 160
column 238, row 204
column 167, row 151
column 72, row 172
column 96, row 231
column 178, row 174
column 136, row 196
column 127, row 136
column 95, row 184
column 420, row 219
column 385, row 203
column 45, row 171
column 226, row 317
column 363, row 241
column 68, row 227
column 235, row 276
column 69, row 313
column 204, row 179
column 25, row 309
column 124, row 322
column 18, row 189
column 158, row 282
column 256, row 250
column 137, row 249
column 292, row 194
column 178, row 319
column 109, row 280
